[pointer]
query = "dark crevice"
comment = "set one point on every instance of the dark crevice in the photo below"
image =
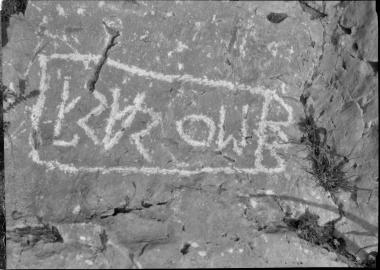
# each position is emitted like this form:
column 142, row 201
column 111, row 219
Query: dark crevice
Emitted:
column 228, row 61
column 374, row 66
column 28, row 236
column 10, row 7
column 344, row 65
column 315, row 13
column 146, row 204
column 346, row 30
column 229, row 158
column 124, row 209
column 162, row 203
column 355, row 46
column 111, row 43
column 276, row 17
column 185, row 249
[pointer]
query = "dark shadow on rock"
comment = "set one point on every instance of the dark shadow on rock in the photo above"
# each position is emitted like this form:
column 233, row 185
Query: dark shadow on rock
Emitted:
column 349, row 249
column 276, row 17
column 372, row 229
column 9, row 8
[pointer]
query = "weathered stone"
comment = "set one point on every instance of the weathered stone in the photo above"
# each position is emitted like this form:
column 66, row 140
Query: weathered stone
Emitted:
column 165, row 134
column 350, row 111
column 362, row 19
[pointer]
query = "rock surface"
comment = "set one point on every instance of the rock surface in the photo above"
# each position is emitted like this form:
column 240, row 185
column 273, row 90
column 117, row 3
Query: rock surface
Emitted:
column 162, row 134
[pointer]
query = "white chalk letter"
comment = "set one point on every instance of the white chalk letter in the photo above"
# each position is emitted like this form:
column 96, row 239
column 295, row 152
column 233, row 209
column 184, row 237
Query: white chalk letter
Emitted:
column 94, row 112
column 208, row 121
column 116, row 115
column 137, row 137
column 63, row 109
column 222, row 143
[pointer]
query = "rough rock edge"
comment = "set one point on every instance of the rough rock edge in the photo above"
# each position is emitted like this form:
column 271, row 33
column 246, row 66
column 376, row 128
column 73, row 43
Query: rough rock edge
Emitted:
column 369, row 260
column 9, row 7
column 118, row 208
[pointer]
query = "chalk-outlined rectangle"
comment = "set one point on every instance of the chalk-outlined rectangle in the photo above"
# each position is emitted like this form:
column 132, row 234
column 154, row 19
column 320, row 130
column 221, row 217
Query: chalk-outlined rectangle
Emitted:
column 268, row 95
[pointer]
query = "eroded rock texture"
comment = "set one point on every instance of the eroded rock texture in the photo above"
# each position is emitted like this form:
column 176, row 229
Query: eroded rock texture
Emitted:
column 166, row 134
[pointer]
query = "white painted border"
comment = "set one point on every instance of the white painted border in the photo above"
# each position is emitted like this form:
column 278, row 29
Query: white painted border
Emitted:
column 85, row 59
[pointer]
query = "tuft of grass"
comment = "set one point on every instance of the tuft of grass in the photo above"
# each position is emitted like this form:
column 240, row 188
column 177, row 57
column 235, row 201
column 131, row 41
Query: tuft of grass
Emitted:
column 327, row 168
column 307, row 228
column 326, row 164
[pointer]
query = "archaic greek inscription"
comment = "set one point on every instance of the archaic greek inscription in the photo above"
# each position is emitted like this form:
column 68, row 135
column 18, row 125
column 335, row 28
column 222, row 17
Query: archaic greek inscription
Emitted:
column 138, row 125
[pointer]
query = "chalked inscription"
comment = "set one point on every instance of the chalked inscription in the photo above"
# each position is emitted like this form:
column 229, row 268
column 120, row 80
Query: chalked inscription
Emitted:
column 141, row 121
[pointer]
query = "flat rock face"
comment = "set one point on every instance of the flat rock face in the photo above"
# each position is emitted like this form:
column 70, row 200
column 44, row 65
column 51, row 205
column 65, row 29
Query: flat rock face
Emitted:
column 162, row 134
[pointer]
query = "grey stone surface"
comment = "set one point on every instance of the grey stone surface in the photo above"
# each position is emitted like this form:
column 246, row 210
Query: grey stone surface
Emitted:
column 346, row 87
column 135, row 173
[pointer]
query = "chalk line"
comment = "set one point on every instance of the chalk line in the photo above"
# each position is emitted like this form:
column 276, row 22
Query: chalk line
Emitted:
column 63, row 109
column 268, row 95
column 192, row 118
column 223, row 143
column 72, row 169
column 185, row 78
column 82, row 122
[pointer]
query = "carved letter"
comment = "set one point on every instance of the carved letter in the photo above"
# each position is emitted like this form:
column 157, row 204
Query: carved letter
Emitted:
column 95, row 112
column 136, row 137
column 222, row 143
column 130, row 112
column 63, row 109
column 208, row 121
column 116, row 115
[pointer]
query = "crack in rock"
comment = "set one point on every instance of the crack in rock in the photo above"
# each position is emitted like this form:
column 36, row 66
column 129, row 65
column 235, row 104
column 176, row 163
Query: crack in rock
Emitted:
column 315, row 13
column 274, row 17
column 124, row 209
column 111, row 43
